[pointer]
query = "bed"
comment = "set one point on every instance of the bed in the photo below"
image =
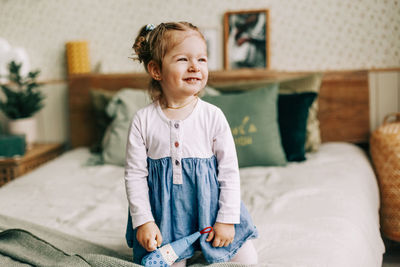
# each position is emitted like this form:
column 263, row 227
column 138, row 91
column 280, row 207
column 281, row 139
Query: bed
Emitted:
column 321, row 211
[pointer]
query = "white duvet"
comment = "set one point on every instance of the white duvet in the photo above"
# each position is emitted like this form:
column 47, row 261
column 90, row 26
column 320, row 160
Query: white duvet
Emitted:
column 321, row 212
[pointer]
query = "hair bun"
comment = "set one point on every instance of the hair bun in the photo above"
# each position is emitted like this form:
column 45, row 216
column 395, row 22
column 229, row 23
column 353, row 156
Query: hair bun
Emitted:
column 141, row 45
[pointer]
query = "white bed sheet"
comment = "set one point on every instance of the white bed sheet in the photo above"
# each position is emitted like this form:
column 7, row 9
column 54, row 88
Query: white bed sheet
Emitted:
column 321, row 212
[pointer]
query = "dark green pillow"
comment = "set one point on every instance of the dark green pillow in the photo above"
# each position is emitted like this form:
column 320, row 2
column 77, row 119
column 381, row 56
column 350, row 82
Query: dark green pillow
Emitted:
column 99, row 99
column 292, row 115
column 252, row 116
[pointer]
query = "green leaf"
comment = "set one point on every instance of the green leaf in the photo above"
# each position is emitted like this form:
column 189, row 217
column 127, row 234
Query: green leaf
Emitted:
column 22, row 97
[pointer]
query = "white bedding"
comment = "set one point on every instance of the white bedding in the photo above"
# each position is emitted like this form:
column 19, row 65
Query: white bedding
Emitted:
column 322, row 212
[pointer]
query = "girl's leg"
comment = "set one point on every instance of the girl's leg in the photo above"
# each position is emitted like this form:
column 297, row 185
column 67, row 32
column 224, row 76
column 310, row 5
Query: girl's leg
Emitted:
column 181, row 263
column 247, row 254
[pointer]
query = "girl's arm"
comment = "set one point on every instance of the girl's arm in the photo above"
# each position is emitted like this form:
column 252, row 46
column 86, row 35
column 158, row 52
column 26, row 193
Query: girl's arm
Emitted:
column 228, row 172
column 229, row 184
column 136, row 175
column 148, row 234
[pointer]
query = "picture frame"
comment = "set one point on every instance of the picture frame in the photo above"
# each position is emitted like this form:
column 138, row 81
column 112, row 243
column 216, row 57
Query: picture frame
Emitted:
column 246, row 39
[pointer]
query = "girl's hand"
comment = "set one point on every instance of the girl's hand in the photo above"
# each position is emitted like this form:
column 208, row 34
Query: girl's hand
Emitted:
column 223, row 234
column 149, row 236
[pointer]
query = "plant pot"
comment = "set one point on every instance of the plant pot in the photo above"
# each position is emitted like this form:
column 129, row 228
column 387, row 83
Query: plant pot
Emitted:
column 24, row 126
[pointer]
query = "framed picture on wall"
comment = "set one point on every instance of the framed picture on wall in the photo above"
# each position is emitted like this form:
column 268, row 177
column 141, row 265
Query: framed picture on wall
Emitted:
column 246, row 39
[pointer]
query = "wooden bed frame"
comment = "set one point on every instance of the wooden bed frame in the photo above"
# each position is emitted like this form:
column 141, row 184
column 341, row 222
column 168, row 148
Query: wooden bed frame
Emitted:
column 343, row 100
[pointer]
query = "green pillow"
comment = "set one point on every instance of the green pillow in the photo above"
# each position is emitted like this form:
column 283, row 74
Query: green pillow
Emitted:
column 307, row 83
column 292, row 117
column 252, row 116
column 121, row 109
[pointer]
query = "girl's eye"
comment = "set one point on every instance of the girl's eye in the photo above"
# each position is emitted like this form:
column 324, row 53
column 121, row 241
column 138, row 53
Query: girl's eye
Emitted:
column 182, row 59
column 203, row 59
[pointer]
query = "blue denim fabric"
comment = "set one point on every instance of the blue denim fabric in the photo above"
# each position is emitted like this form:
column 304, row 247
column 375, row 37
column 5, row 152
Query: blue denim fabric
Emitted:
column 180, row 210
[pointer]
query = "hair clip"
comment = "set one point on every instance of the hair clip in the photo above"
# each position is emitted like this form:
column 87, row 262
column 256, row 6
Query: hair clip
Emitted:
column 150, row 27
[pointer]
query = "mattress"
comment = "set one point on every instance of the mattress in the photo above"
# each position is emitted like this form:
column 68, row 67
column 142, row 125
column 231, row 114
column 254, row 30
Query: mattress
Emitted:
column 320, row 212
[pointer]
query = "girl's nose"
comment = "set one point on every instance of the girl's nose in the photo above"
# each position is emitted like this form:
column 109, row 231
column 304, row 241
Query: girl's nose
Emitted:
column 194, row 67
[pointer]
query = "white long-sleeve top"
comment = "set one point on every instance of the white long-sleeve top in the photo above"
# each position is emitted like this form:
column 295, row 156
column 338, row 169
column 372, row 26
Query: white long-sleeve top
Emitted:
column 203, row 134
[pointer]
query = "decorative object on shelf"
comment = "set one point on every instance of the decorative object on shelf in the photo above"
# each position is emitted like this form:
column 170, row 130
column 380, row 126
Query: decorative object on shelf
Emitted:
column 12, row 145
column 246, row 39
column 78, row 57
column 22, row 100
column 26, row 127
column 385, row 152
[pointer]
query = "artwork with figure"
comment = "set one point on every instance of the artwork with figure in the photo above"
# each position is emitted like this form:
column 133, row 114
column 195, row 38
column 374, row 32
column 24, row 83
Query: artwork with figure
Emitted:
column 246, row 39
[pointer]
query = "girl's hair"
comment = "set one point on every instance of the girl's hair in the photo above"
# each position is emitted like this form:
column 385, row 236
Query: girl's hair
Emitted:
column 152, row 43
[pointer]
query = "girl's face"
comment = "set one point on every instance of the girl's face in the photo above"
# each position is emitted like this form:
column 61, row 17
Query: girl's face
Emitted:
column 184, row 67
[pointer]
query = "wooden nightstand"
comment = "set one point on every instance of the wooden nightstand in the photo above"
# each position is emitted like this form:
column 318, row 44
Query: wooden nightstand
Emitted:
column 11, row 168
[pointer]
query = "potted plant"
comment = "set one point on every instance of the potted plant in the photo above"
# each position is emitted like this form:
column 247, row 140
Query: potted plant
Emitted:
column 22, row 100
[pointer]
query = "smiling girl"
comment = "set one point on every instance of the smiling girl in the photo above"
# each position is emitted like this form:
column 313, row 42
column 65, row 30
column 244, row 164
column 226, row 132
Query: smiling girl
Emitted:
column 181, row 171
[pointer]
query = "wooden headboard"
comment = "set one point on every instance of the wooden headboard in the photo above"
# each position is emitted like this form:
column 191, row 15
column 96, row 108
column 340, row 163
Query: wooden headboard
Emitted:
column 343, row 100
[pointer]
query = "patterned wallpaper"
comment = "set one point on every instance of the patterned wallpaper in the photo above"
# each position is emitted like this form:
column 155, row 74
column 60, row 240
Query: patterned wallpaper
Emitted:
column 305, row 35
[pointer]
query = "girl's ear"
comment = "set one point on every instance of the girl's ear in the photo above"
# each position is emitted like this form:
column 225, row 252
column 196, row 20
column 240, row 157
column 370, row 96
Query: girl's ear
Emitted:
column 154, row 70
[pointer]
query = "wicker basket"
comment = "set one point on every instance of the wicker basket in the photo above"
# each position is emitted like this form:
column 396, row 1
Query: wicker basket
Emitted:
column 385, row 152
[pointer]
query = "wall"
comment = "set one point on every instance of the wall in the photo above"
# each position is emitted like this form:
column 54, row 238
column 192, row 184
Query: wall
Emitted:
column 384, row 95
column 304, row 35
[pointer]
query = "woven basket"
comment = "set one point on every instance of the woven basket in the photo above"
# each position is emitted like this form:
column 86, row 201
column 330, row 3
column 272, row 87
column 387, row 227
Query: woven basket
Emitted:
column 385, row 152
